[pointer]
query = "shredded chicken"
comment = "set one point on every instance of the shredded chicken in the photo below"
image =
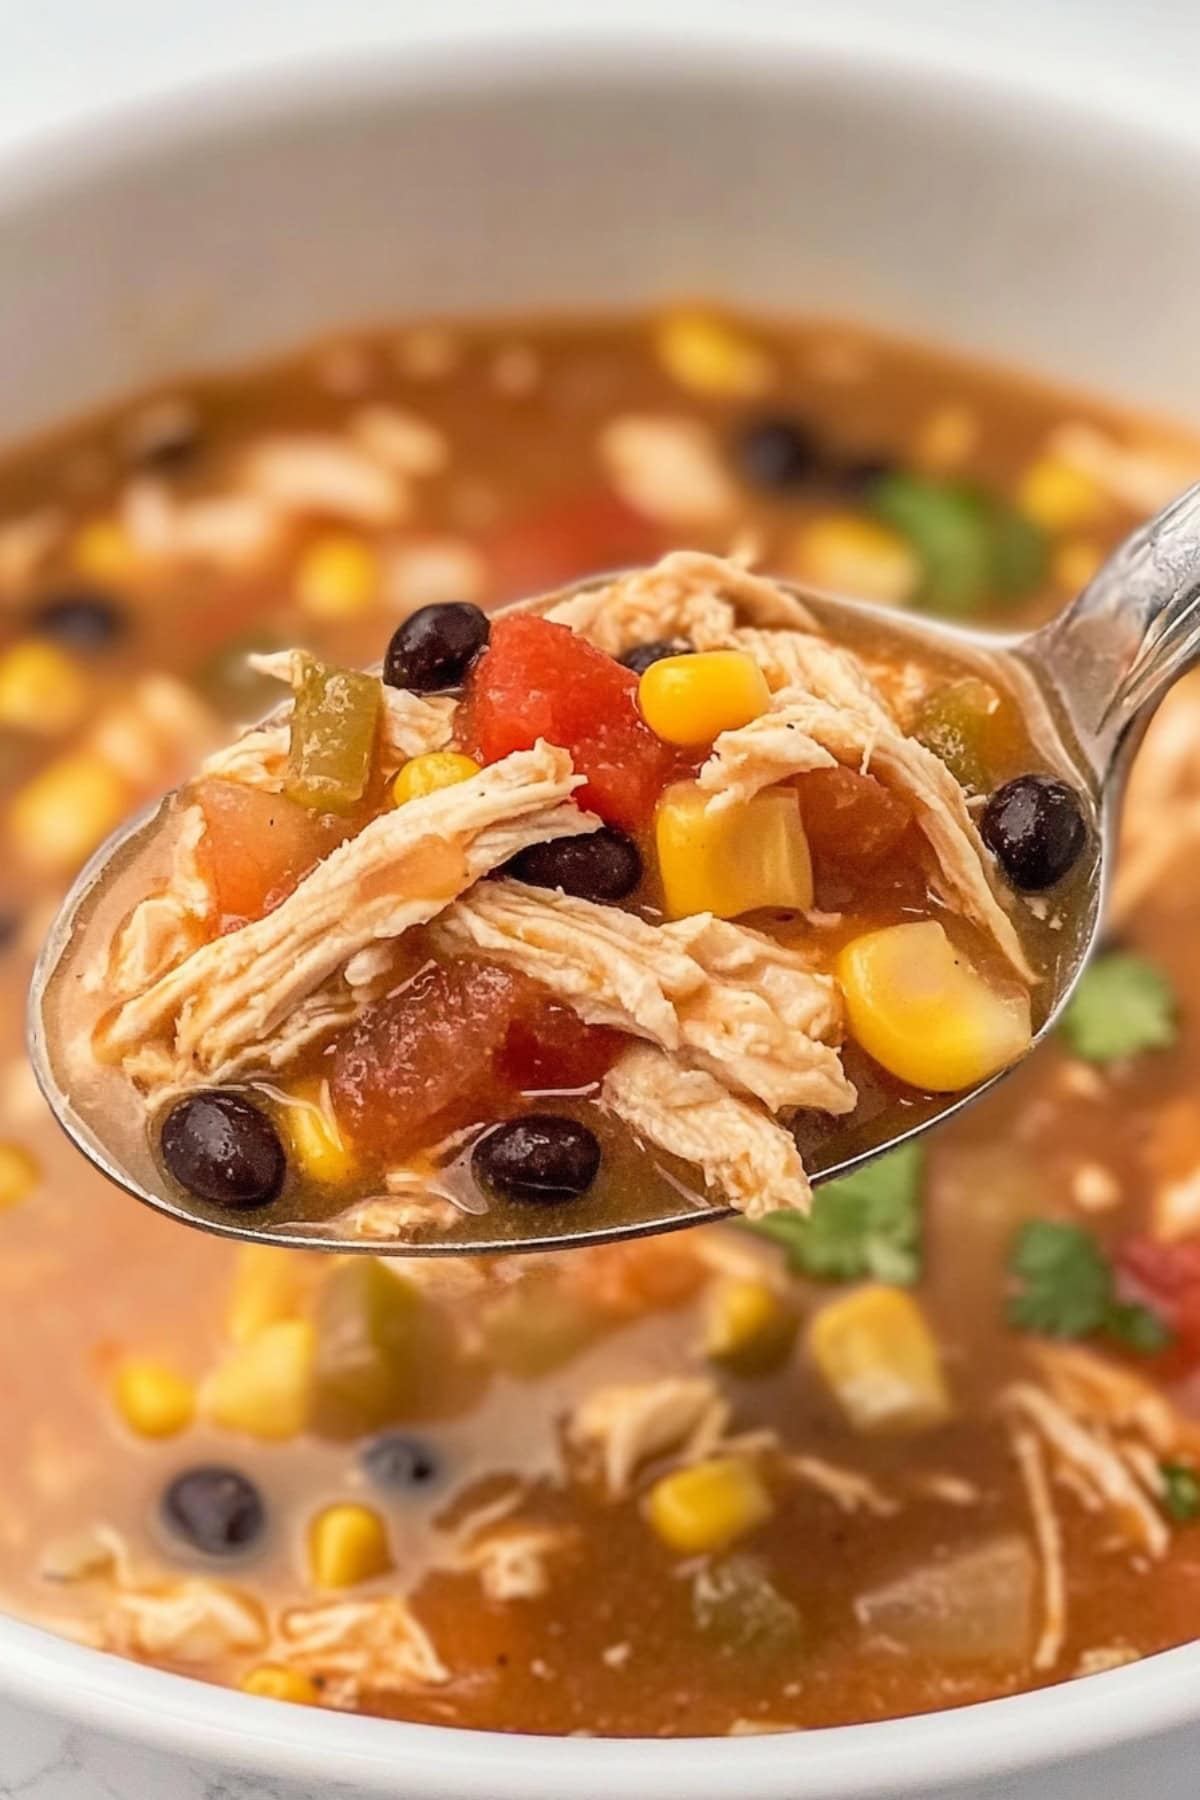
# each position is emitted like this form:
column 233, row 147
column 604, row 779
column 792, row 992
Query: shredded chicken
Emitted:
column 802, row 732
column 1096, row 1463
column 688, row 595
column 228, row 1003
column 513, row 1562
column 356, row 1647
column 412, row 1206
column 742, row 1154
column 1104, row 1393
column 629, row 1425
column 724, row 998
column 164, row 927
column 849, row 1489
column 1031, row 1461
column 193, row 1621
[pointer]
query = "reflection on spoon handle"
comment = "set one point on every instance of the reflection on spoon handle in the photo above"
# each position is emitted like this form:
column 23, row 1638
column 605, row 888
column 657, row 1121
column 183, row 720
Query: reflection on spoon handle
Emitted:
column 1131, row 633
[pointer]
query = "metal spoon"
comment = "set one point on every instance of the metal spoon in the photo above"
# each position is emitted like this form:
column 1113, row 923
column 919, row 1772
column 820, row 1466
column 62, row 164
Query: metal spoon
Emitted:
column 1088, row 683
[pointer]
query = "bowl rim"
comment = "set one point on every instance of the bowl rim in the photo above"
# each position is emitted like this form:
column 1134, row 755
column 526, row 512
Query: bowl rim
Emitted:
column 178, row 1714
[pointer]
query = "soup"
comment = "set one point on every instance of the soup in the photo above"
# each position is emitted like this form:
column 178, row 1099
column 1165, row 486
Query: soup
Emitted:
column 932, row 1443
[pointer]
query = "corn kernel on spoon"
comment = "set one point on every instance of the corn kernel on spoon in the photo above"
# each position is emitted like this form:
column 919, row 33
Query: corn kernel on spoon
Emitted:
column 1086, row 683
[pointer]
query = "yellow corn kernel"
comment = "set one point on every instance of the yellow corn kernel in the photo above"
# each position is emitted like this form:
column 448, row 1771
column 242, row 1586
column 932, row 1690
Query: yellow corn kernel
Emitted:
column 748, row 1326
column 269, row 1285
column 880, row 1360
column 103, row 551
column 348, row 1544
column 337, row 578
column 19, row 1175
column 689, row 700
column 921, row 1010
column 708, row 1505
column 427, row 774
column 1074, row 563
column 314, row 1136
column 850, row 554
column 732, row 861
column 59, row 817
column 41, row 689
column 1058, row 496
column 271, row 1681
column 709, row 356
column 152, row 1398
column 264, row 1387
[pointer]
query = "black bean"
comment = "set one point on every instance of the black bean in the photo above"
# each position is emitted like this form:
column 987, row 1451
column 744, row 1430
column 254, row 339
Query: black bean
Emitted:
column 84, row 619
column 214, row 1509
column 544, row 1157
column 435, row 647
column 606, row 865
column 779, row 454
column 1035, row 827
column 641, row 656
column 394, row 1461
column 222, row 1148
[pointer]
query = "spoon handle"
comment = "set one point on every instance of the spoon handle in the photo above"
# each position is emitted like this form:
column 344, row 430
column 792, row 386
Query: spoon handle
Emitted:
column 1131, row 633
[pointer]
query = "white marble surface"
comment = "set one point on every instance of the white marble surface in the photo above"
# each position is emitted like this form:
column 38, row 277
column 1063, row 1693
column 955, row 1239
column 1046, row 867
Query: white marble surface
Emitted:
column 42, row 1760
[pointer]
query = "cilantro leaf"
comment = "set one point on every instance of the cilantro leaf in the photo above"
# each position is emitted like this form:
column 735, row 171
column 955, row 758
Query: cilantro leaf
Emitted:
column 973, row 547
column 1065, row 1289
column 1137, row 1327
column 868, row 1223
column 1181, row 1492
column 1065, row 1283
column 1123, row 1004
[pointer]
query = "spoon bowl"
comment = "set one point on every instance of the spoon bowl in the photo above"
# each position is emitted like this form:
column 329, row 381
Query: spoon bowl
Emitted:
column 1087, row 684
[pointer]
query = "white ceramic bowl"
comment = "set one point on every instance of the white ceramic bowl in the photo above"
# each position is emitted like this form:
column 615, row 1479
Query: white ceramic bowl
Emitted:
column 584, row 176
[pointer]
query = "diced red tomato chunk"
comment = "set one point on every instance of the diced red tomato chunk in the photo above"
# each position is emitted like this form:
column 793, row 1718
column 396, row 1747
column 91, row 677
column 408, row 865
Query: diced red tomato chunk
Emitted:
column 258, row 846
column 576, row 535
column 850, row 818
column 539, row 680
column 549, row 1048
column 1166, row 1277
column 455, row 1047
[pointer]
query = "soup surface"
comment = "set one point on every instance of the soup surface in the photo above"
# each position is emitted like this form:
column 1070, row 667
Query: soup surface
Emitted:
column 935, row 1443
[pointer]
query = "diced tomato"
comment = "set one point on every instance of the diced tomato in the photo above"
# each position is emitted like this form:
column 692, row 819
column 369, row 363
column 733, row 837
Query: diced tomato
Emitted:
column 1166, row 1277
column 576, row 535
column 258, row 846
column 850, row 818
column 539, row 680
column 550, row 1048
column 456, row 1046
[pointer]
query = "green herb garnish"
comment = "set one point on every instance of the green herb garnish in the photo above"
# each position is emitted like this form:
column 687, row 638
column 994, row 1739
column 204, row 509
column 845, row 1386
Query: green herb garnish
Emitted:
column 973, row 547
column 1065, row 1289
column 868, row 1223
column 1181, row 1492
column 1123, row 1004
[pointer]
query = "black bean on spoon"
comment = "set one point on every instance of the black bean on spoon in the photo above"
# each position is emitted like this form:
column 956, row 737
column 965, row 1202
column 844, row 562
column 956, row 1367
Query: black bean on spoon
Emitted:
column 435, row 646
column 214, row 1509
column 398, row 1462
column 606, row 865
column 641, row 656
column 222, row 1148
column 1035, row 827
column 544, row 1157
